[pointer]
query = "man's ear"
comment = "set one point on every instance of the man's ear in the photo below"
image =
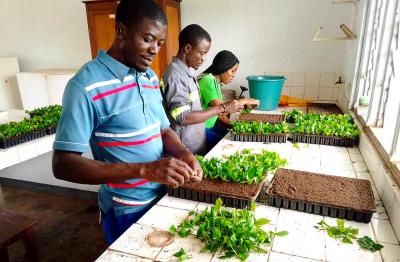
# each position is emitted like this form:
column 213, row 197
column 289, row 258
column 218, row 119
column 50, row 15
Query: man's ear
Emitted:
column 121, row 31
column 188, row 48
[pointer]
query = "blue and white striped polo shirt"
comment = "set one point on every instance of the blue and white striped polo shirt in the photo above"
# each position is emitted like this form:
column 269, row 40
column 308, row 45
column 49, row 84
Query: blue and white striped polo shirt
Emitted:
column 118, row 112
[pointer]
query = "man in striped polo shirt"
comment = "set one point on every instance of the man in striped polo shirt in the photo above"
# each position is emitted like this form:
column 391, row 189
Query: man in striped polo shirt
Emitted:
column 113, row 104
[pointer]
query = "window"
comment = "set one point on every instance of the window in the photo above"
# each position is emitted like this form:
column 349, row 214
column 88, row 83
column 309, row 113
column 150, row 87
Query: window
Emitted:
column 376, row 93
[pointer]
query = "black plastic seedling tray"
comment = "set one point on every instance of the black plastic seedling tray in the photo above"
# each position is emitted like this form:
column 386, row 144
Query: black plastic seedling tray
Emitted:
column 321, row 209
column 228, row 201
column 51, row 130
column 324, row 140
column 13, row 141
column 271, row 138
column 202, row 192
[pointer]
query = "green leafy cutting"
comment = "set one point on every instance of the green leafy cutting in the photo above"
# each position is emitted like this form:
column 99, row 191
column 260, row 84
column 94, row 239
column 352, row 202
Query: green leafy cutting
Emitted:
column 345, row 234
column 246, row 111
column 319, row 124
column 242, row 167
column 348, row 234
column 236, row 231
column 181, row 255
column 257, row 127
column 367, row 243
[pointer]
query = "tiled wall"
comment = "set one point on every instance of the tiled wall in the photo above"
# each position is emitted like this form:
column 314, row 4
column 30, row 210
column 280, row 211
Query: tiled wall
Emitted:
column 386, row 188
column 314, row 86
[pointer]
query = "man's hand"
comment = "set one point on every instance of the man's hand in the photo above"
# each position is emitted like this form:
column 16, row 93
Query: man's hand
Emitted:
column 233, row 106
column 191, row 160
column 169, row 171
column 250, row 102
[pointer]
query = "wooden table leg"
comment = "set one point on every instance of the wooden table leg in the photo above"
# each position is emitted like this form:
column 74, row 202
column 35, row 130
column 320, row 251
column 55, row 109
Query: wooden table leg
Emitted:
column 4, row 254
column 30, row 245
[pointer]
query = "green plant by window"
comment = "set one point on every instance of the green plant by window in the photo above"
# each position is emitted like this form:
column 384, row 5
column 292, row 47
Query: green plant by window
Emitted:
column 236, row 231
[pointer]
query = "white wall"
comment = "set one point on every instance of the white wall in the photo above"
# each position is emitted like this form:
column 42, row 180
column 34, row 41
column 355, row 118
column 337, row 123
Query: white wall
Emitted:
column 274, row 35
column 44, row 34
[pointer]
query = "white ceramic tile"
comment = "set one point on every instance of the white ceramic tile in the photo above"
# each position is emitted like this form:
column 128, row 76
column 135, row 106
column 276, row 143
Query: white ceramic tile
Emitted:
column 303, row 240
column 289, row 78
column 114, row 256
column 280, row 257
column 169, row 201
column 192, row 247
column 27, row 151
column 384, row 231
column 311, row 92
column 327, row 80
column 254, row 257
column 380, row 179
column 388, row 197
column 380, row 211
column 337, row 251
column 332, row 150
column 163, row 217
column 8, row 157
column 271, row 213
column 336, row 165
column 340, row 173
column 304, row 166
column 360, row 167
column 395, row 216
column 353, row 150
column 298, row 79
column 356, row 157
column 134, row 242
column 335, row 94
column 297, row 91
column 325, row 93
column 375, row 191
column 202, row 206
column 312, row 79
column 390, row 252
column 44, row 144
column 286, row 90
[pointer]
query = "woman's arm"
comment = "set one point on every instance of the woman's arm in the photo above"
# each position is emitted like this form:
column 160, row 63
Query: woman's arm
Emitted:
column 223, row 118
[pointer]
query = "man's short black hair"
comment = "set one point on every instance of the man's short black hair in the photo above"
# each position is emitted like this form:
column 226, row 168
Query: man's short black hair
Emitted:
column 192, row 34
column 132, row 12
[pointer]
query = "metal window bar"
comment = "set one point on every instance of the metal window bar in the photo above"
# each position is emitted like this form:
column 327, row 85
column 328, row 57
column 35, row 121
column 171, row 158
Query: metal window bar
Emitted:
column 389, row 65
column 357, row 79
column 380, row 83
column 394, row 153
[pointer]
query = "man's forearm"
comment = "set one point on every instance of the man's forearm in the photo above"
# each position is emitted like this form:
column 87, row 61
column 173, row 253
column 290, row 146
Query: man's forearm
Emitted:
column 172, row 143
column 195, row 117
column 73, row 167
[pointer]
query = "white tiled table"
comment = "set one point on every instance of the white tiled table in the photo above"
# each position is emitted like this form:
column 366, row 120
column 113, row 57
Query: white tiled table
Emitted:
column 304, row 242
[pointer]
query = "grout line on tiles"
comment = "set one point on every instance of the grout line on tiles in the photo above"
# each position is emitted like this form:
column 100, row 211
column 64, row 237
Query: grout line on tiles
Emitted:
column 308, row 258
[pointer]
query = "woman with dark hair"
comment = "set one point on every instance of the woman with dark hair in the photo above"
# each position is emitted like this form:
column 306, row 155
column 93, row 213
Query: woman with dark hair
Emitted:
column 221, row 72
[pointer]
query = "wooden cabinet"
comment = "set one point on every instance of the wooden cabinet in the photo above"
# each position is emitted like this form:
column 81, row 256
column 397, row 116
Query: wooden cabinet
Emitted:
column 101, row 23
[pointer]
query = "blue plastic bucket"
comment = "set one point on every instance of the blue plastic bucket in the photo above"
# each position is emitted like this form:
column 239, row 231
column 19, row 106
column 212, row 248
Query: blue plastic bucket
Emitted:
column 267, row 89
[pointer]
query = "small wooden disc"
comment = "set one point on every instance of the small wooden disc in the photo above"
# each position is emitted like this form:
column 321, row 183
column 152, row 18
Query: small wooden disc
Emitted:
column 160, row 238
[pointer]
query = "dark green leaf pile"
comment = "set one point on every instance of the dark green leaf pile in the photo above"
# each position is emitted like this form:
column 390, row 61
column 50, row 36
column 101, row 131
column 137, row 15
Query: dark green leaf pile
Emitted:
column 242, row 167
column 257, row 127
column 236, row 231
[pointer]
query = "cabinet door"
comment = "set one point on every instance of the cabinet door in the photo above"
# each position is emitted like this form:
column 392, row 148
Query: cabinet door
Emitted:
column 104, row 29
column 101, row 23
